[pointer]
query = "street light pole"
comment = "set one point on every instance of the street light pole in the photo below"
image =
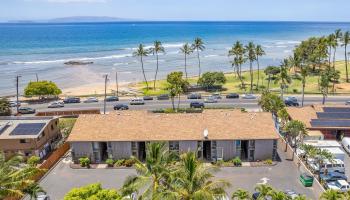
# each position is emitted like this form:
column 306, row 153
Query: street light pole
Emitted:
column 116, row 82
column 17, row 93
column 104, row 103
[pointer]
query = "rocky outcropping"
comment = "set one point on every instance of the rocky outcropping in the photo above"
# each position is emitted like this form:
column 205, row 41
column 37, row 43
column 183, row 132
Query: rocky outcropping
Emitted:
column 77, row 63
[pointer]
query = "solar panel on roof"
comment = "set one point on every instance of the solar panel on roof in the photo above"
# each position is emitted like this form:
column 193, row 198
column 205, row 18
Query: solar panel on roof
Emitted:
column 336, row 109
column 329, row 123
column 333, row 115
column 28, row 129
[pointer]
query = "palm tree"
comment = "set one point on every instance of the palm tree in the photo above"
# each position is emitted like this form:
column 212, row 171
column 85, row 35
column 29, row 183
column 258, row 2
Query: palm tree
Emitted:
column 338, row 36
column 332, row 43
column 300, row 197
column 251, row 56
column 156, row 49
column 150, row 174
column 238, row 52
column 193, row 180
column 346, row 40
column 304, row 72
column 241, row 194
column 142, row 52
column 324, row 84
column 198, row 45
column 331, row 195
column 296, row 129
column 278, row 195
column 283, row 77
column 264, row 190
column 186, row 50
column 259, row 51
column 33, row 190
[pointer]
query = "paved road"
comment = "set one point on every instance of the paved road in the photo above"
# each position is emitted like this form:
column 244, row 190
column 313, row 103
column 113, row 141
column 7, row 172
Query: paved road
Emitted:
column 184, row 103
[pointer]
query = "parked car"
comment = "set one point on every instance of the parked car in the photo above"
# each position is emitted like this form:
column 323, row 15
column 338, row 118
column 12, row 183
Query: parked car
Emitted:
column 339, row 185
column 291, row 193
column 232, row 96
column 333, row 176
column 210, row 100
column 346, row 144
column 71, row 100
column 137, row 101
column 196, row 104
column 347, row 102
column 43, row 197
column 291, row 101
column 112, row 98
column 335, row 165
column 163, row 97
column 249, row 96
column 256, row 195
column 217, row 95
column 147, row 98
column 56, row 104
column 14, row 103
column 194, row 96
column 26, row 110
column 121, row 106
column 91, row 100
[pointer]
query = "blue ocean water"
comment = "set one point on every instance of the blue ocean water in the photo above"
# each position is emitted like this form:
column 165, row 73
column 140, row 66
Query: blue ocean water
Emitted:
column 29, row 49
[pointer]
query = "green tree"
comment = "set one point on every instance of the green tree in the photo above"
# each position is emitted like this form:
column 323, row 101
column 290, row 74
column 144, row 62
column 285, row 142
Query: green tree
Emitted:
column 271, row 102
column 251, row 56
column 33, row 190
column 304, row 72
column 41, row 89
column 186, row 49
column 271, row 71
column 332, row 43
column 283, row 77
column 198, row 45
column 5, row 109
column 278, row 195
column 264, row 190
column 331, row 195
column 324, row 85
column 346, row 41
column 259, row 51
column 241, row 194
column 33, row 161
column 142, row 52
column 176, row 86
column 156, row 49
column 338, row 36
column 238, row 51
column 296, row 129
column 211, row 79
column 92, row 192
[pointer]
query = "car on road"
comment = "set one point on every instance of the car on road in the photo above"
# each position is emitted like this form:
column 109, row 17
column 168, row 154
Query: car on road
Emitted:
column 347, row 102
column 121, row 106
column 14, row 103
column 112, row 98
column 194, row 96
column 137, row 101
column 291, row 193
column 291, row 101
column 148, row 98
column 339, row 185
column 210, row 100
column 91, row 100
column 248, row 96
column 217, row 95
column 196, row 104
column 26, row 110
column 333, row 176
column 163, row 97
column 232, row 96
column 71, row 100
column 56, row 104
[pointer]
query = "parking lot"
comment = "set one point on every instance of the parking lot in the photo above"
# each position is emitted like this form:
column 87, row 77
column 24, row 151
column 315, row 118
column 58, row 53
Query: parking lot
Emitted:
column 282, row 176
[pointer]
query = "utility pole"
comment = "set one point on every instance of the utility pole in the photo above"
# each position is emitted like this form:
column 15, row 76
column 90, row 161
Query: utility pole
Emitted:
column 104, row 103
column 116, row 82
column 37, row 77
column 17, row 93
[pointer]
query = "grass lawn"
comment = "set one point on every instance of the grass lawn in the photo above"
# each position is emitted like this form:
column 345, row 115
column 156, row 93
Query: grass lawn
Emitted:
column 233, row 83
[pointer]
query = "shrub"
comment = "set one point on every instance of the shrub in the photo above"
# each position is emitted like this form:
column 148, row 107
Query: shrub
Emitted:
column 109, row 162
column 237, row 161
column 84, row 162
column 295, row 90
column 33, row 161
column 119, row 163
column 268, row 162
column 220, row 163
column 129, row 162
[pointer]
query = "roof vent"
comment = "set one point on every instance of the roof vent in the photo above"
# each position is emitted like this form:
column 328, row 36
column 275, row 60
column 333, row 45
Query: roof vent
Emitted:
column 205, row 133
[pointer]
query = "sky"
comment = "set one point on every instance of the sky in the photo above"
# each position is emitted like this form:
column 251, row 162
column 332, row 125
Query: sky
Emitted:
column 229, row 10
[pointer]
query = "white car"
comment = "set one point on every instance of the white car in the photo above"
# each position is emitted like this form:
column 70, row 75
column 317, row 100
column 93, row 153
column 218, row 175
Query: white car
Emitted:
column 339, row 185
column 91, row 100
column 335, row 165
column 14, row 103
column 347, row 102
column 56, row 104
column 248, row 96
column 137, row 101
column 43, row 197
column 211, row 100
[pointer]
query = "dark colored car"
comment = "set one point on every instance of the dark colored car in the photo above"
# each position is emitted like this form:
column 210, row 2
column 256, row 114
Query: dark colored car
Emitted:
column 291, row 101
column 255, row 196
column 26, row 110
column 333, row 176
column 163, row 97
column 121, row 107
column 147, row 98
column 232, row 96
column 72, row 100
column 196, row 104
column 194, row 96
column 112, row 98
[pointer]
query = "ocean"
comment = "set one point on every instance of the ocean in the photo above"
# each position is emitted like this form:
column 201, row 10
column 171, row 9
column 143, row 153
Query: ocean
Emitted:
column 42, row 49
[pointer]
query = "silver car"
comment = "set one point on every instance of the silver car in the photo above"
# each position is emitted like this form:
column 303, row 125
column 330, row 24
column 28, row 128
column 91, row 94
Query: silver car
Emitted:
column 56, row 104
column 210, row 99
column 91, row 100
column 249, row 96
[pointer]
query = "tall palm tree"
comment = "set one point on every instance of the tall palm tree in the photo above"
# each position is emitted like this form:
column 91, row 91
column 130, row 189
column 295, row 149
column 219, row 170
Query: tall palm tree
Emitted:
column 332, row 43
column 259, row 51
column 241, row 194
column 142, row 52
column 346, row 40
column 186, row 49
column 338, row 36
column 150, row 174
column 156, row 49
column 324, row 84
column 251, row 56
column 33, row 190
column 237, row 51
column 264, row 190
column 283, row 77
column 198, row 45
column 331, row 195
column 304, row 72
column 237, row 62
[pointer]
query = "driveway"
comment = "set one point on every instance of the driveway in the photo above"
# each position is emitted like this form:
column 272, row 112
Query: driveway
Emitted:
column 284, row 175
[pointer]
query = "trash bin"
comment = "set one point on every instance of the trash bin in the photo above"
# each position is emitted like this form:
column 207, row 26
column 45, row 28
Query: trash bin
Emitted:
column 306, row 179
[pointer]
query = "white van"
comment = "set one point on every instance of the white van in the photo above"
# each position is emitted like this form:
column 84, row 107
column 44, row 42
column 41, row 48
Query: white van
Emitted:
column 346, row 144
column 335, row 166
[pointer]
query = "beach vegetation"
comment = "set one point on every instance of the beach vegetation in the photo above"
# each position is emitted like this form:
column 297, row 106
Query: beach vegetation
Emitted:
column 270, row 102
column 176, row 86
column 259, row 51
column 211, row 79
column 155, row 50
column 251, row 56
column 186, row 49
column 141, row 52
column 5, row 109
column 346, row 41
column 92, row 192
column 238, row 51
column 42, row 89
column 198, row 45
column 283, row 78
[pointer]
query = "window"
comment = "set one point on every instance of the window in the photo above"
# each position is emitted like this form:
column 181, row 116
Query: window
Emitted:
column 23, row 141
column 51, row 127
column 174, row 146
column 134, row 149
column 199, row 149
column 275, row 144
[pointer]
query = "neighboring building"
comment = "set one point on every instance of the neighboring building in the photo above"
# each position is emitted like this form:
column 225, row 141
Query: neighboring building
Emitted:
column 28, row 136
column 214, row 134
column 333, row 122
